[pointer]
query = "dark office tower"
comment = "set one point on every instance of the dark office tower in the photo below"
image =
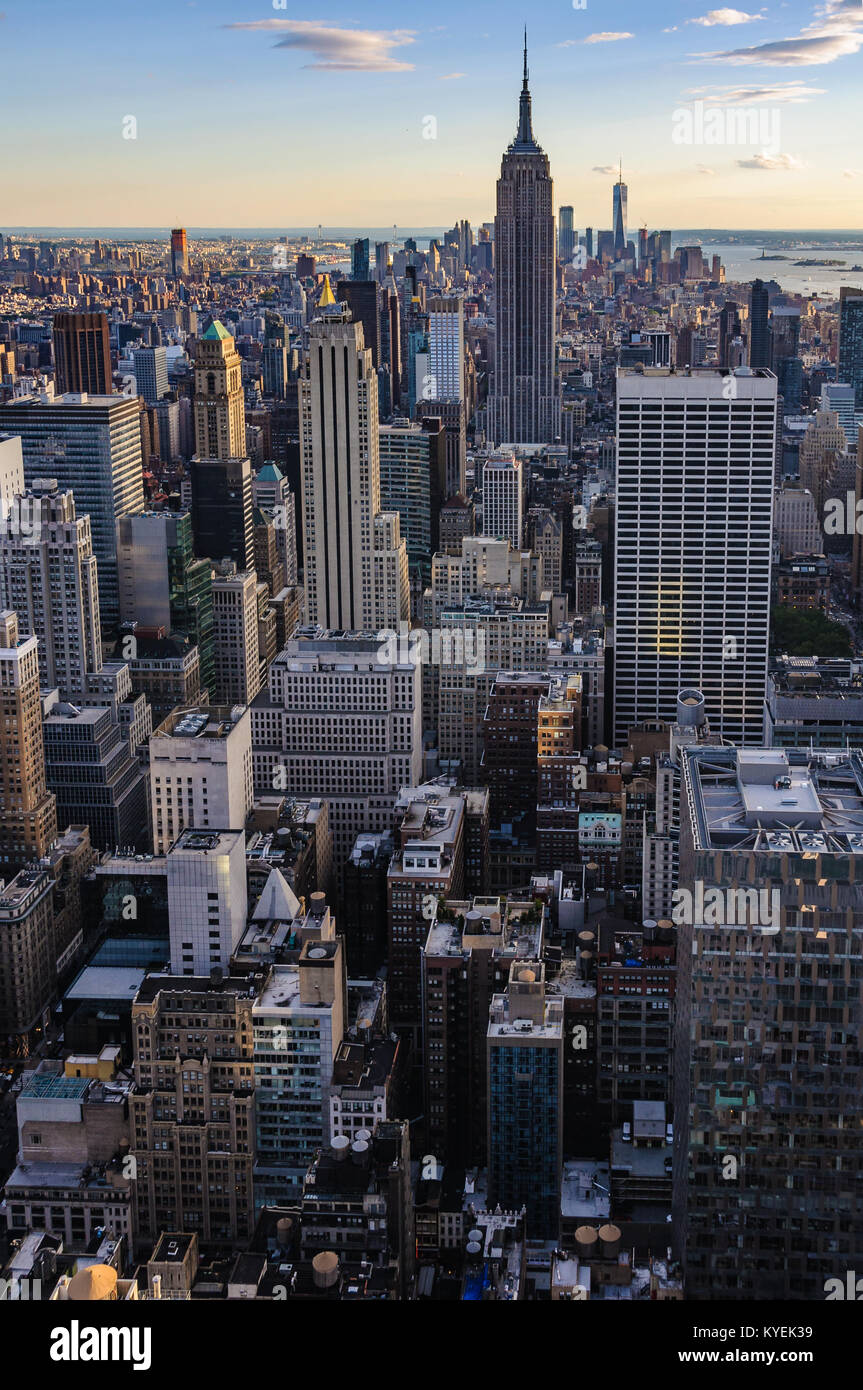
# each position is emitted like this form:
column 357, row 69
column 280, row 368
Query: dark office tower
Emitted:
column 759, row 337
column 179, row 252
column 642, row 247
column 390, row 376
column 851, row 341
column 382, row 260
column 619, row 200
column 524, row 408
column 730, row 328
column 665, row 246
column 274, row 358
column 363, row 298
column 588, row 242
column 768, row 1073
column 82, row 354
column 360, row 263
column 565, row 234
column 305, row 267
column 525, row 1098
column 222, row 510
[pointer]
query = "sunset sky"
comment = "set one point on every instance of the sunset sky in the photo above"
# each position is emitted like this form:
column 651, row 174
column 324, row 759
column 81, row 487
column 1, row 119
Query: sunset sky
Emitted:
column 253, row 115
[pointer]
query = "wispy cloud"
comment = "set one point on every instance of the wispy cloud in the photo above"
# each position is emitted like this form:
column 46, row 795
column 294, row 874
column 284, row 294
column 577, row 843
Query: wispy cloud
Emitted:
column 607, row 37
column 772, row 161
column 335, row 49
column 778, row 94
column 451, row 76
column 604, row 169
column 725, row 18
column 703, row 169
column 835, row 32
column 853, row 173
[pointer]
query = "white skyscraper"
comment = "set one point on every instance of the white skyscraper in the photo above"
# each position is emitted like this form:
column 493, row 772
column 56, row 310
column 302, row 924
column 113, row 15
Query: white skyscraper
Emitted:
column 200, row 773
column 446, row 348
column 695, row 455
column 207, row 899
column 11, row 469
column 503, row 499
column 235, row 638
column 340, row 721
column 341, row 482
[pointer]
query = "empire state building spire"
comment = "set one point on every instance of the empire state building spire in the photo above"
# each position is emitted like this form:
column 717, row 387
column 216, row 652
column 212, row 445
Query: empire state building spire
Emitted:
column 524, row 139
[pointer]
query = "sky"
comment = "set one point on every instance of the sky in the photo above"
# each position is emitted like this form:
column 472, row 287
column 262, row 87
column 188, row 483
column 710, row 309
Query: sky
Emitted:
column 263, row 113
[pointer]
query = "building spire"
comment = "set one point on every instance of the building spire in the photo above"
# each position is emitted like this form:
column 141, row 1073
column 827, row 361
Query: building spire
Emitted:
column 525, row 127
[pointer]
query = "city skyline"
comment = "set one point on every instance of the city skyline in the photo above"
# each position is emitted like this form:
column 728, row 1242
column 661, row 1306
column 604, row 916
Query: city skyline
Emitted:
column 442, row 94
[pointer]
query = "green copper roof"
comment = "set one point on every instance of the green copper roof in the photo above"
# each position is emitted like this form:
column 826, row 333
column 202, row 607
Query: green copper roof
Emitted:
column 216, row 330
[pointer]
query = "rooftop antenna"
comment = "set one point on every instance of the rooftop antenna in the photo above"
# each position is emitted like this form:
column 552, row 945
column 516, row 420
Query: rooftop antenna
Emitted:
column 524, row 84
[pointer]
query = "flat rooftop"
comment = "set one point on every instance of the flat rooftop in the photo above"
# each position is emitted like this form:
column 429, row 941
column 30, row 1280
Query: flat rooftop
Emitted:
column 773, row 800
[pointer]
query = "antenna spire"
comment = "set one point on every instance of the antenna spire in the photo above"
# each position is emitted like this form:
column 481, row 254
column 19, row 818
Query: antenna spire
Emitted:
column 524, row 85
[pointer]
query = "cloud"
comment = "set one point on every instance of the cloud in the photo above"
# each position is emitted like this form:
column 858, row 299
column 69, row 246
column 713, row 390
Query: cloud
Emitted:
column 451, row 76
column 703, row 169
column 779, row 94
column 852, row 173
column 771, row 161
column 606, row 37
column 604, row 169
column 726, row 18
column 836, row 32
column 335, row 49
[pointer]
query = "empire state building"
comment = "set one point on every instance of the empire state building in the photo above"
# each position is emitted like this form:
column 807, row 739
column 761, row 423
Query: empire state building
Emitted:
column 525, row 407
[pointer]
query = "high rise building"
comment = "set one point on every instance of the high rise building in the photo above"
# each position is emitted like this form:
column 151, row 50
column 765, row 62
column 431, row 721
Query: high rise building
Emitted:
column 11, row 471
column 91, row 771
column 272, row 491
column 618, row 217
column 236, row 652
column 192, row 1120
column 91, row 444
column 48, row 575
column 220, row 421
column 82, row 354
column 692, row 545
column 345, row 587
column 446, row 348
column 525, row 1098
column 360, row 262
column 299, row 1021
column 274, row 358
column 151, row 373
column 768, row 1138
column 28, row 970
column 838, row 396
column 162, row 585
column 207, row 899
column 565, row 234
column 413, row 483
column 179, row 252
column 200, row 773
column 525, row 406
column 363, row 298
column 850, row 367
column 28, row 813
column 730, row 327
column 222, row 509
column 340, row 721
column 759, row 336
column 503, row 490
